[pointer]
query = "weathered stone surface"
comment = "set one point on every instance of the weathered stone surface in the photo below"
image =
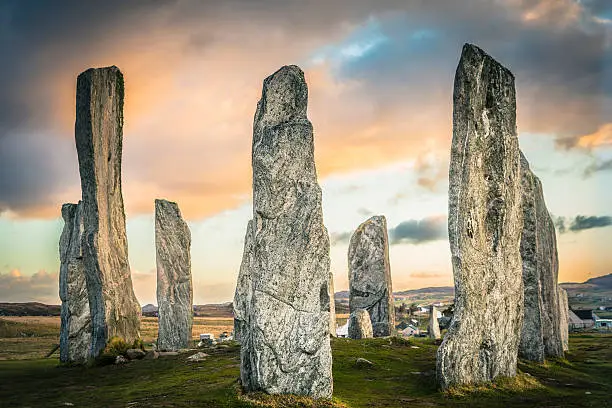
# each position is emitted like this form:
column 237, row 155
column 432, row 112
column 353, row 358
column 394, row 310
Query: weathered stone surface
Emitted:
column 135, row 354
column 540, row 336
column 360, row 325
column 370, row 274
column 484, row 223
column 288, row 321
column 75, row 331
column 563, row 318
column 174, row 286
column 242, row 295
column 99, row 136
column 433, row 328
column 332, row 307
column 242, row 306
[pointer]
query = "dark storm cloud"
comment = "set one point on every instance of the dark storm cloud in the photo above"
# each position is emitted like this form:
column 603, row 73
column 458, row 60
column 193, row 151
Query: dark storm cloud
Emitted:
column 598, row 166
column 419, row 231
column 581, row 222
column 407, row 232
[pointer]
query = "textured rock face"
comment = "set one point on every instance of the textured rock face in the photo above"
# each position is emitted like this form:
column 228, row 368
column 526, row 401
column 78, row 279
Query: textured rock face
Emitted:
column 242, row 305
column 288, row 321
column 433, row 327
column 75, row 332
column 99, row 136
column 242, row 296
column 332, row 306
column 540, row 336
column 370, row 274
column 174, row 287
column 563, row 318
column 360, row 325
column 485, row 223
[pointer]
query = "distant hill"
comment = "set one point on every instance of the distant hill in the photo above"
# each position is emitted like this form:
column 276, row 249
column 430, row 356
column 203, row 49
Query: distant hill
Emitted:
column 444, row 294
column 591, row 294
column 29, row 309
column 602, row 282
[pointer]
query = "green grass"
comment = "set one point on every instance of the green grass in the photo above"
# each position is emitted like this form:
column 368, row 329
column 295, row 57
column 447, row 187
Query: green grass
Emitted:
column 403, row 374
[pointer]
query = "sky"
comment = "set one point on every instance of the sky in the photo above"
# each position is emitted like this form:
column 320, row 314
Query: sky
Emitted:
column 380, row 76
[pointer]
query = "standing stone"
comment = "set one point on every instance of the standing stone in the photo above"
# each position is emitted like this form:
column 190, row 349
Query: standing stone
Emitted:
column 99, row 137
column 563, row 318
column 75, row 331
column 360, row 325
column 242, row 295
column 433, row 328
column 370, row 275
column 242, row 306
column 288, row 322
column 540, row 336
column 174, row 287
column 332, row 306
column 484, row 224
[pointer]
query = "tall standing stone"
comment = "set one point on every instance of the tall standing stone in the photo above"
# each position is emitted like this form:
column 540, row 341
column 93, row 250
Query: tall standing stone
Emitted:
column 174, row 286
column 540, row 336
column 370, row 274
column 288, row 322
column 75, row 331
column 484, row 224
column 563, row 318
column 242, row 306
column 332, row 306
column 360, row 325
column 99, row 137
column 433, row 328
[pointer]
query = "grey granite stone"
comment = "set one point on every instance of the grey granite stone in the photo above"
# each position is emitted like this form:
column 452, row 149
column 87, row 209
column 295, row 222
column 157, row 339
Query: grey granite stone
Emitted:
column 115, row 311
column 370, row 285
column 563, row 318
column 433, row 328
column 174, row 285
column 288, row 322
column 485, row 225
column 242, row 306
column 75, row 330
column 360, row 325
column 540, row 336
column 332, row 307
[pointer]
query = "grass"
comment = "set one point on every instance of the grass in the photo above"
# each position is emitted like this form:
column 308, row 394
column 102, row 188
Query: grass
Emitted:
column 403, row 374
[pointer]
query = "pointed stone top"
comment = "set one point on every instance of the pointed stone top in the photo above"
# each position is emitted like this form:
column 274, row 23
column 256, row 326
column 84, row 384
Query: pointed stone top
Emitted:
column 378, row 220
column 167, row 206
column 68, row 211
column 111, row 70
column 473, row 55
column 284, row 97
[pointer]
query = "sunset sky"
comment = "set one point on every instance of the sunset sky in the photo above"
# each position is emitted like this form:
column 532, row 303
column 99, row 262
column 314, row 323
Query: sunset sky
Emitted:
column 380, row 76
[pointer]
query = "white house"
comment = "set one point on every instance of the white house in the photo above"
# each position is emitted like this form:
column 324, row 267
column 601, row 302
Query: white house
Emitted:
column 410, row 331
column 602, row 323
column 342, row 331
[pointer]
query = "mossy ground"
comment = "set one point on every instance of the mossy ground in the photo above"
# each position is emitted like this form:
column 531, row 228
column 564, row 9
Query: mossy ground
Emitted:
column 403, row 375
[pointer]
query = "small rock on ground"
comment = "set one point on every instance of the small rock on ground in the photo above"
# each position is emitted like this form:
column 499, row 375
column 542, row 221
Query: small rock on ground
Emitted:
column 121, row 360
column 197, row 357
column 363, row 363
column 135, row 354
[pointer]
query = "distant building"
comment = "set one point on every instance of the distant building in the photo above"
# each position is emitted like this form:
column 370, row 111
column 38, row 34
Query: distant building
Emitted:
column 580, row 319
column 342, row 331
column 410, row 331
column 401, row 326
column 602, row 323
